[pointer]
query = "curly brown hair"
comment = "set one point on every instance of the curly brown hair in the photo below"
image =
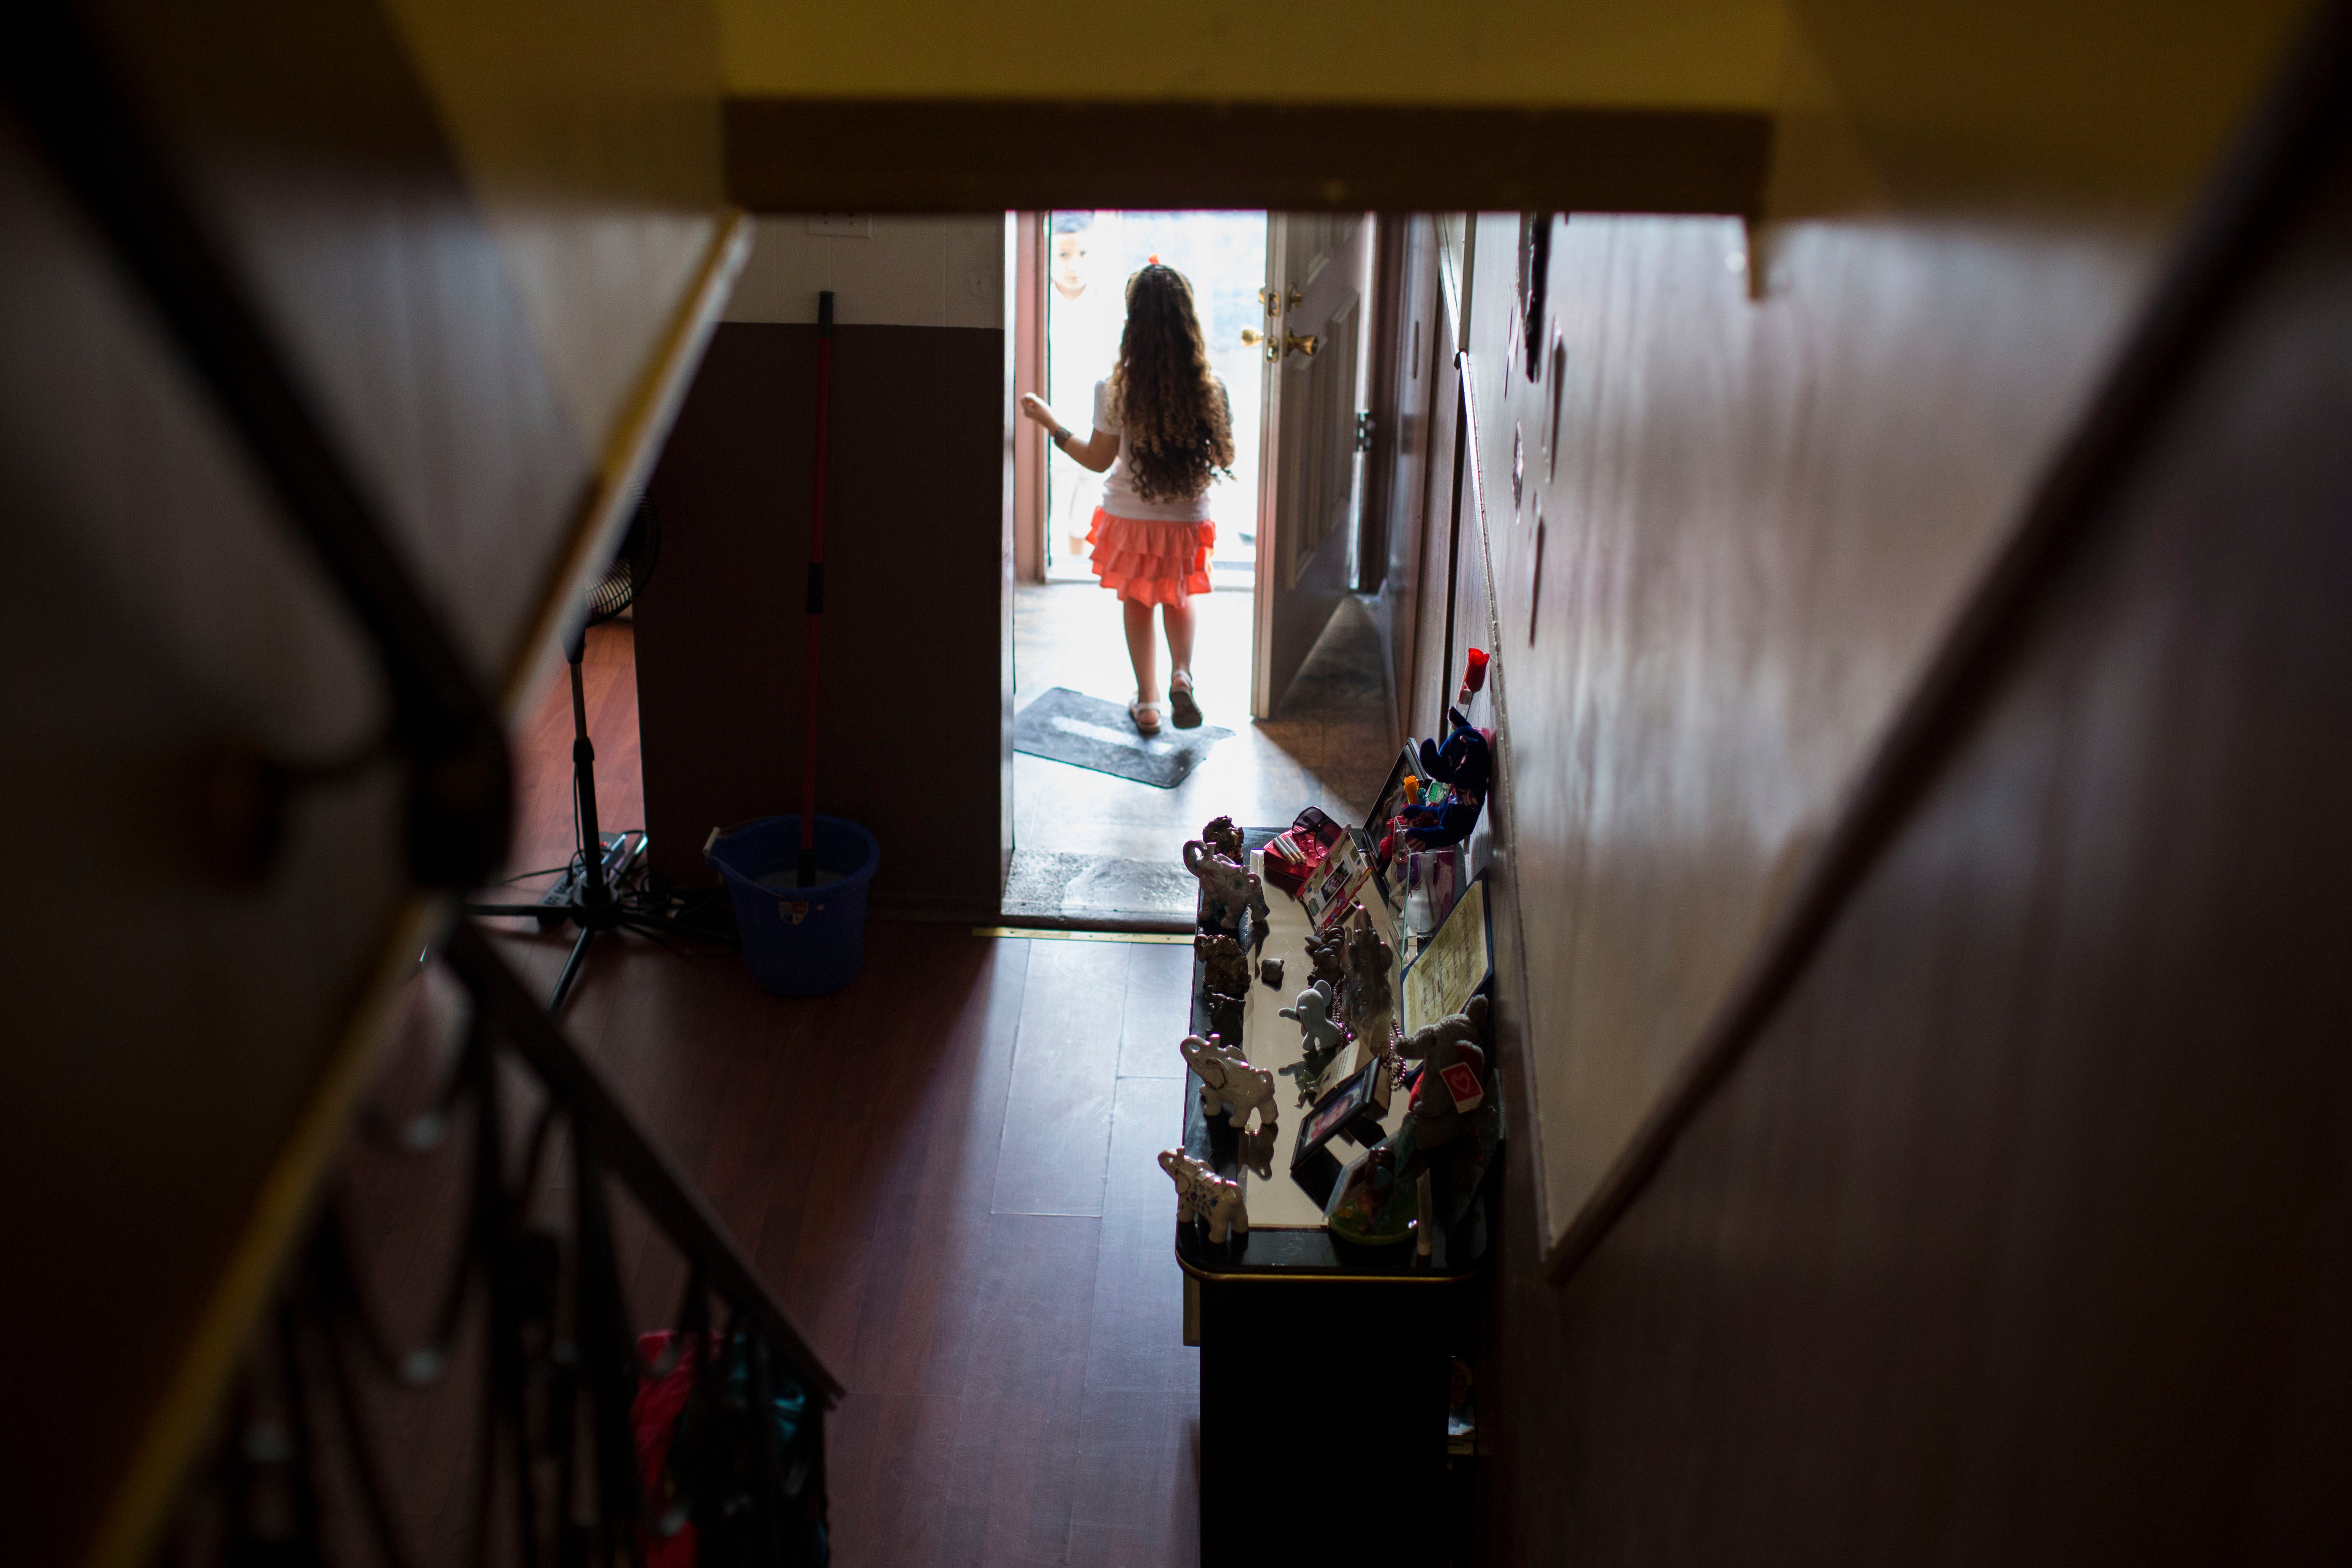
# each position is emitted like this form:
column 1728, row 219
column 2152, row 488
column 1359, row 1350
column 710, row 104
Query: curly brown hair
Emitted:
column 1179, row 427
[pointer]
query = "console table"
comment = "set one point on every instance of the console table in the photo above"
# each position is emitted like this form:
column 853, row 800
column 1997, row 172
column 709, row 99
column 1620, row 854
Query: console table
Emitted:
column 1325, row 1366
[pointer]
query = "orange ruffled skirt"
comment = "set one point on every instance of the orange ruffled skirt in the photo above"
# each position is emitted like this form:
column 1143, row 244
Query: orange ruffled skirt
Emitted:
column 1150, row 563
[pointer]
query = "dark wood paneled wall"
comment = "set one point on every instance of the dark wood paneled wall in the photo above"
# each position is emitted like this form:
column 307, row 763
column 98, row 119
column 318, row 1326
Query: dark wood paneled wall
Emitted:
column 917, row 535
column 2022, row 1231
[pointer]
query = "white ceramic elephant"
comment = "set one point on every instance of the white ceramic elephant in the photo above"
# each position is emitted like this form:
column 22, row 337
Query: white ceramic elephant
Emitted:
column 1228, row 1082
column 1202, row 1194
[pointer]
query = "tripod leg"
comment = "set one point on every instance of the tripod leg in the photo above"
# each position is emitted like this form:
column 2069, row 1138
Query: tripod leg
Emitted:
column 571, row 970
column 594, row 891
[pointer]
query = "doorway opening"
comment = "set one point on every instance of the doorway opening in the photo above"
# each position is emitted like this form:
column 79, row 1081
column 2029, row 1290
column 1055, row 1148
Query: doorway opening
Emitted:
column 1091, row 847
column 1089, row 257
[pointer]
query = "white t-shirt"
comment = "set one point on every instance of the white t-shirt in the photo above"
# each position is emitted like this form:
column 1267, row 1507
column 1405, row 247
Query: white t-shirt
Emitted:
column 1119, row 498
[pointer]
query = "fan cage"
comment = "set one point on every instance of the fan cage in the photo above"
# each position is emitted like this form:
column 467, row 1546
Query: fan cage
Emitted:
column 633, row 563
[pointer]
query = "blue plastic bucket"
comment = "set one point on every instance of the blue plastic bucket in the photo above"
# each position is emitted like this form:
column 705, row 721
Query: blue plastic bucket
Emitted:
column 798, row 941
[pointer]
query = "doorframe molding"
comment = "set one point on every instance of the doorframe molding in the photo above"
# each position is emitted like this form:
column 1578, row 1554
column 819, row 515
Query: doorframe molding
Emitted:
column 1269, row 475
column 1027, row 319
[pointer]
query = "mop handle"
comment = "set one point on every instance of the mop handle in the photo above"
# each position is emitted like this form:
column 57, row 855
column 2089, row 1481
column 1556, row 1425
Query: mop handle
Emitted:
column 807, row 867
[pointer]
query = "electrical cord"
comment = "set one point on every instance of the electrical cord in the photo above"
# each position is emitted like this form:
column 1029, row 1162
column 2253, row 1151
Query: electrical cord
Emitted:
column 703, row 917
column 542, row 871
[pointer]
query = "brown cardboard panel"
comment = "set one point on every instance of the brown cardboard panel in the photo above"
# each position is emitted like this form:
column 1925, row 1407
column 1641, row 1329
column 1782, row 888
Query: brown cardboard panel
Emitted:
column 912, row 706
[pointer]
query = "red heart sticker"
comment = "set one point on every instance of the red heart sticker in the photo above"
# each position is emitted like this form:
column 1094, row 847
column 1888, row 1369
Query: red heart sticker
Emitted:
column 1464, row 1085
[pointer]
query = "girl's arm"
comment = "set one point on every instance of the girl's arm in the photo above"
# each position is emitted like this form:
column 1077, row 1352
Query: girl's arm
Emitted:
column 1098, row 452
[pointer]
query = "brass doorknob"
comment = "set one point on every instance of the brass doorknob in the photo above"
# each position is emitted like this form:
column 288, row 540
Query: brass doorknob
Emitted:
column 1252, row 336
column 1301, row 344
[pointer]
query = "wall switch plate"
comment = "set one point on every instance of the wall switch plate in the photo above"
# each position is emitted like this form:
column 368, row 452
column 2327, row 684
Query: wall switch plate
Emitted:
column 846, row 226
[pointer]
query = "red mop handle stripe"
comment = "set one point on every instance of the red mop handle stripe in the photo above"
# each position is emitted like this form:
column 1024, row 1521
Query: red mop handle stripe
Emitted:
column 816, row 567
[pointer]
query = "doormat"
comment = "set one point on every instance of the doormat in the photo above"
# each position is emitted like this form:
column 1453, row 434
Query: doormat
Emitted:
column 1046, row 885
column 1087, row 733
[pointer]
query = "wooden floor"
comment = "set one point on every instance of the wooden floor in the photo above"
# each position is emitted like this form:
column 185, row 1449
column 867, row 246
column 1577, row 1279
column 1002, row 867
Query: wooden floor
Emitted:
column 947, row 1173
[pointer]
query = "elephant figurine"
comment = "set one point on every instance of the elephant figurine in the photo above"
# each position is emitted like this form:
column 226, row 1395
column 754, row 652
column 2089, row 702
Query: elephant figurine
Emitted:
column 1320, row 1038
column 1228, row 1082
column 1368, row 996
column 1203, row 1195
column 1224, row 836
column 1327, row 956
column 1321, row 1034
column 1228, row 887
column 1223, row 969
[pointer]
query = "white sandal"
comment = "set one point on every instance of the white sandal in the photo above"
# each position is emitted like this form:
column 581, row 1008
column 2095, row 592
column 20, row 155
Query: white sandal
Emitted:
column 1181, row 698
column 1140, row 711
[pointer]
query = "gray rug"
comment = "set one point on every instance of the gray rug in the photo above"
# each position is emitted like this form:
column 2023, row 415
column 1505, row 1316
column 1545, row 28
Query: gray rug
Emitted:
column 1087, row 733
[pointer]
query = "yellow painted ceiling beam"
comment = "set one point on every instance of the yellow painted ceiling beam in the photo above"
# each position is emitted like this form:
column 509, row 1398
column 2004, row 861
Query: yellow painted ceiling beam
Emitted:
column 1890, row 103
column 1669, row 54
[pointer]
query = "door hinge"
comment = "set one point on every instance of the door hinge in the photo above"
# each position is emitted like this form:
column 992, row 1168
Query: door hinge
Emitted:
column 1363, row 430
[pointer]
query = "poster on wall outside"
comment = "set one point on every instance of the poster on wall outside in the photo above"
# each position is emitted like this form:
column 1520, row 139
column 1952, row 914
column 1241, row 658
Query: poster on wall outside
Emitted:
column 1457, row 960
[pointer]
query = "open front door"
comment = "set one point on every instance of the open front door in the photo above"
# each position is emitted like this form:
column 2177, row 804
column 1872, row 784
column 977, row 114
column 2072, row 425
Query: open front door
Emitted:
column 1317, row 268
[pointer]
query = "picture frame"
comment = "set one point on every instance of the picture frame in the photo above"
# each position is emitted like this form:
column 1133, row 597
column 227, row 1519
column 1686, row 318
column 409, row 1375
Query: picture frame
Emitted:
column 1390, row 800
column 1454, row 965
column 1340, row 1112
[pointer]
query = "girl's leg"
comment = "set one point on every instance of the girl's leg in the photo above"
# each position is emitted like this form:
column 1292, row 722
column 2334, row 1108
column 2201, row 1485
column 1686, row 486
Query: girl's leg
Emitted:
column 1178, row 619
column 1140, row 651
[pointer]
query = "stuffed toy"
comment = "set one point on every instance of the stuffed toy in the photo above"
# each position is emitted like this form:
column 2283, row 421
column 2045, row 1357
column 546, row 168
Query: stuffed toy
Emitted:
column 1465, row 765
column 1454, row 1072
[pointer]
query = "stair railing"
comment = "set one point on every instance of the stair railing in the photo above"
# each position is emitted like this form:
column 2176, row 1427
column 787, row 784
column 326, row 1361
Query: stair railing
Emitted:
column 592, row 1444
column 605, row 1448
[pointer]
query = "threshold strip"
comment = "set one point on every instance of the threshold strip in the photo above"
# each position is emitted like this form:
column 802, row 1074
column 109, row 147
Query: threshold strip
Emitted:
column 1061, row 933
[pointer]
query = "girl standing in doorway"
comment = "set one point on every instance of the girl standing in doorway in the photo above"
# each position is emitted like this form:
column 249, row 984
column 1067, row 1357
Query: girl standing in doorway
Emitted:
column 1162, row 431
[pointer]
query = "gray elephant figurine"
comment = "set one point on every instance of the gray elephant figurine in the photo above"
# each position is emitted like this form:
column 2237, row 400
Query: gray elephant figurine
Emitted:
column 1320, row 1034
column 1320, row 1038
